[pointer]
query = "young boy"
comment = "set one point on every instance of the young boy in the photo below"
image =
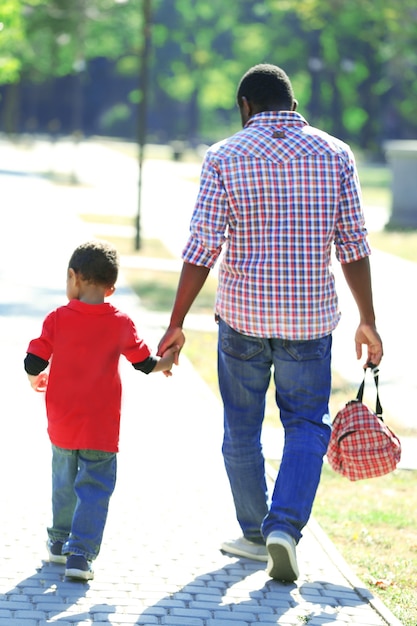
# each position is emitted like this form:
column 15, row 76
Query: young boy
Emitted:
column 85, row 339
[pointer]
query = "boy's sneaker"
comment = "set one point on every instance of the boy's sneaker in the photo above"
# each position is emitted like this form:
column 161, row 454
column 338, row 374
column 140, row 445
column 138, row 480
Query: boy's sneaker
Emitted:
column 79, row 568
column 246, row 548
column 282, row 559
column 55, row 552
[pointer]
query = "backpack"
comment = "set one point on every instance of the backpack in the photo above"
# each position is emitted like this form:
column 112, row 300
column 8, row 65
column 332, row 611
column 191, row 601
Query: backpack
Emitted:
column 361, row 444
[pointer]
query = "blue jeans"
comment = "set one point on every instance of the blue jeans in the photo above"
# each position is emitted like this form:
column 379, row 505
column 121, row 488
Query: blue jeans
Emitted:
column 302, row 377
column 82, row 484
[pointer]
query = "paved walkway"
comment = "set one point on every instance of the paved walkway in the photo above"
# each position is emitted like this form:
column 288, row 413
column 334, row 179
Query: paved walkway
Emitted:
column 160, row 561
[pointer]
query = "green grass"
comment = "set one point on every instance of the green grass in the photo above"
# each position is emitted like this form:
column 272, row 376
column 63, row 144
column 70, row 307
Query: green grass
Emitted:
column 373, row 523
column 157, row 290
column 399, row 243
column 116, row 220
column 374, row 176
column 375, row 181
column 375, row 184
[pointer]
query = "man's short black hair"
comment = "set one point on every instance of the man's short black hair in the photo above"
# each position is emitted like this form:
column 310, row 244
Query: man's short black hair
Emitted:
column 267, row 87
column 96, row 262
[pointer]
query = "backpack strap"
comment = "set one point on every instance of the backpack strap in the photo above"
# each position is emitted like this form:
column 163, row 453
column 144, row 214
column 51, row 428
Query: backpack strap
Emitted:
column 359, row 396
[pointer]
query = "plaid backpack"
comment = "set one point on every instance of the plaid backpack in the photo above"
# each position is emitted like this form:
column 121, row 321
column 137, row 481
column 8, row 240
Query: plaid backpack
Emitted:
column 361, row 444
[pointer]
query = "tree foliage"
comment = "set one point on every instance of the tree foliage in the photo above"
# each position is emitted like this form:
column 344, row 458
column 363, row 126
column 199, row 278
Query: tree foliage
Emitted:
column 62, row 35
column 352, row 62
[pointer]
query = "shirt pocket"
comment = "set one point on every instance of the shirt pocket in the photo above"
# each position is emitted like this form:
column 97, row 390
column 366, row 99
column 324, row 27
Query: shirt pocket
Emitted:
column 309, row 350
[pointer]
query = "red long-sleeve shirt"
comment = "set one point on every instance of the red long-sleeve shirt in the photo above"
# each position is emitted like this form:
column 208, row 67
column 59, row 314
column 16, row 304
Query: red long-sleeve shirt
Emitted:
column 83, row 399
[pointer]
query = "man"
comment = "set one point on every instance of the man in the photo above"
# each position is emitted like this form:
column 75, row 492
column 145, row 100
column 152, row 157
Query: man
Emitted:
column 276, row 196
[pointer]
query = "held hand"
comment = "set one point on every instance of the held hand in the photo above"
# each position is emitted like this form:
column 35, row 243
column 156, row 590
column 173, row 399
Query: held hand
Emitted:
column 173, row 338
column 368, row 335
column 39, row 382
column 172, row 355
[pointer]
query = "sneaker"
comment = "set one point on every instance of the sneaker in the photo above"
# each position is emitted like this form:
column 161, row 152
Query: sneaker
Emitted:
column 79, row 568
column 55, row 552
column 246, row 548
column 282, row 559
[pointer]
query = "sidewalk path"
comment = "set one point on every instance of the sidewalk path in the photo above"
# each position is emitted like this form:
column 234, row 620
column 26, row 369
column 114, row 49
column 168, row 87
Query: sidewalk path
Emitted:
column 160, row 562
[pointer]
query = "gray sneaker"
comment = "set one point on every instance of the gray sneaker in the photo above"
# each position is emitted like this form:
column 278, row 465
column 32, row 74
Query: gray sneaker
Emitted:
column 246, row 548
column 79, row 568
column 55, row 552
column 282, row 559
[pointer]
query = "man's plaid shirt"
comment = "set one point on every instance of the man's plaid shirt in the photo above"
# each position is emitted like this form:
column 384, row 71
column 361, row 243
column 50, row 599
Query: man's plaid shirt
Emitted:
column 276, row 196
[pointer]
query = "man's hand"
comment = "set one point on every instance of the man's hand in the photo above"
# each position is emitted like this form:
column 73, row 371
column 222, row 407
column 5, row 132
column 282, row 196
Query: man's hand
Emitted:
column 358, row 277
column 367, row 334
column 173, row 337
column 171, row 356
column 39, row 382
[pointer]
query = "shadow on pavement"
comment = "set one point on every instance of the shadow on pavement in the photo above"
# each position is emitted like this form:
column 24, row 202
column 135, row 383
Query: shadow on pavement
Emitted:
column 209, row 596
column 48, row 595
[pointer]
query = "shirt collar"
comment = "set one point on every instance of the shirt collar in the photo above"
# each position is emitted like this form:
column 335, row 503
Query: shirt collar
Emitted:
column 287, row 118
column 104, row 308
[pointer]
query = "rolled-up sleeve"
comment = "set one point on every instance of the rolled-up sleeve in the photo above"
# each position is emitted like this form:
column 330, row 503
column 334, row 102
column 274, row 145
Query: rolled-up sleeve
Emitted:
column 351, row 241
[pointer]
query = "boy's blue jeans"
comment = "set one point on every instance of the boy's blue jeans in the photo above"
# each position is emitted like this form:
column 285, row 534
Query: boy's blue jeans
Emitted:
column 82, row 484
column 302, row 377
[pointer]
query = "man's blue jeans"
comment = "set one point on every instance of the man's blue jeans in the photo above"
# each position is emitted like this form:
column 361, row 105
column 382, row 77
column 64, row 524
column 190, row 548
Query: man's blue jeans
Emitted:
column 302, row 376
column 82, row 484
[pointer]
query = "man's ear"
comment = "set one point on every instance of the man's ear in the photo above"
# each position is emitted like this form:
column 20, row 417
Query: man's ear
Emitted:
column 109, row 291
column 245, row 110
column 294, row 105
column 246, row 107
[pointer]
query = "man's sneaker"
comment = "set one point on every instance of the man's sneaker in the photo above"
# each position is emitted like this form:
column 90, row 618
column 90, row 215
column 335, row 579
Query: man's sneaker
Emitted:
column 55, row 551
column 246, row 548
column 282, row 559
column 79, row 568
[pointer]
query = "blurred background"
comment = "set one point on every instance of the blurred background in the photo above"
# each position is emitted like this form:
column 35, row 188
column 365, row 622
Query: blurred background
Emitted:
column 118, row 68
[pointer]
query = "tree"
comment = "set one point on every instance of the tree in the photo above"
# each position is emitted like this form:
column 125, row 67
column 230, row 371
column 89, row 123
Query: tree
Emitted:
column 193, row 57
column 362, row 65
column 42, row 39
column 352, row 62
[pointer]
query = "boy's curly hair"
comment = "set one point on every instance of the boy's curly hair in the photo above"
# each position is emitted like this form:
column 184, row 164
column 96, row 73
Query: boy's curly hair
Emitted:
column 96, row 262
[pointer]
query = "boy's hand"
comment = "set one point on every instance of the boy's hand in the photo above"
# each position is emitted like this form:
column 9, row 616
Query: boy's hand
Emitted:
column 39, row 382
column 172, row 355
